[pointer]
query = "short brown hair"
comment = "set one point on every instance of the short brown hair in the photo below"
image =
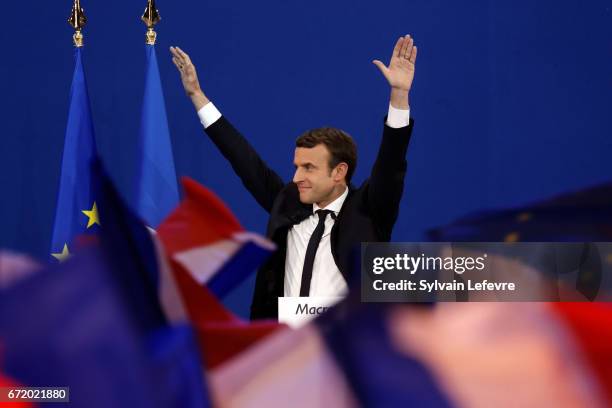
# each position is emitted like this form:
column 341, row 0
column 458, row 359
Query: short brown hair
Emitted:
column 340, row 144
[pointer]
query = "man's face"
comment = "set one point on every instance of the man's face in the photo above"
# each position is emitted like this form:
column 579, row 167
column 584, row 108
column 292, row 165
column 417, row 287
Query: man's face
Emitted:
column 314, row 178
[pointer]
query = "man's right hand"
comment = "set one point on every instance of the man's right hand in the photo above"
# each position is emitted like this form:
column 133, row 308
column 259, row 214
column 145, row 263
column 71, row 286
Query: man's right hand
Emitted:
column 189, row 77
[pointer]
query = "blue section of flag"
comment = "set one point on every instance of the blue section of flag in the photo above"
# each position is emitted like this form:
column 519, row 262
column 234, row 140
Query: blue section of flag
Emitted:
column 156, row 186
column 73, row 325
column 238, row 268
column 579, row 216
column 131, row 251
column 75, row 188
column 378, row 373
column 94, row 322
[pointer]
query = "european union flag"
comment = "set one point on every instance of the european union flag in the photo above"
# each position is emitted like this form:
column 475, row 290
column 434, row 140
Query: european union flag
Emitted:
column 156, row 187
column 579, row 216
column 76, row 211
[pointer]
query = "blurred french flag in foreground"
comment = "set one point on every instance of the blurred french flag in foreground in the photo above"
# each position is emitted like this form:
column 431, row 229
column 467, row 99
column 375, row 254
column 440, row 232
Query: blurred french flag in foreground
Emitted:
column 209, row 254
column 133, row 321
column 480, row 354
column 94, row 322
column 450, row 355
column 170, row 273
column 204, row 237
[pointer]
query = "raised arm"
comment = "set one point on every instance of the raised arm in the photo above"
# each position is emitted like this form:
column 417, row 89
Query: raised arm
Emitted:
column 386, row 182
column 261, row 181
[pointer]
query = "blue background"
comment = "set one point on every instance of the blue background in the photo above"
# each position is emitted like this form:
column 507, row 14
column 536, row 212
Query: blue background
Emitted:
column 511, row 98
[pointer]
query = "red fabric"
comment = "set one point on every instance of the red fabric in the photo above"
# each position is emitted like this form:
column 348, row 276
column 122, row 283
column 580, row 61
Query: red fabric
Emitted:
column 7, row 382
column 202, row 306
column 221, row 342
column 200, row 219
column 221, row 334
column 591, row 325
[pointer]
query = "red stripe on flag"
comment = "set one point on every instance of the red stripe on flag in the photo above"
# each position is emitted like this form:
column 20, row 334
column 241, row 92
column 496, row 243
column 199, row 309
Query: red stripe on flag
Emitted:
column 591, row 325
column 221, row 335
column 200, row 219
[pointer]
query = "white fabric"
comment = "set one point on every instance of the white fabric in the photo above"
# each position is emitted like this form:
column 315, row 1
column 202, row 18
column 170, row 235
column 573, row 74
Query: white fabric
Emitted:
column 15, row 267
column 398, row 118
column 170, row 297
column 497, row 354
column 209, row 114
column 289, row 368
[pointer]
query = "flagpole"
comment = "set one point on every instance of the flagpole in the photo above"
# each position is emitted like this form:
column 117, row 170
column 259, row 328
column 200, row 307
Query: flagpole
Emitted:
column 151, row 17
column 77, row 20
column 156, row 189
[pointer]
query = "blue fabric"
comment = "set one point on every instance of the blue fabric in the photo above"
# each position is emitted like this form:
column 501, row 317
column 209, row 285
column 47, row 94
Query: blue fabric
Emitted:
column 75, row 188
column 378, row 374
column 579, row 216
column 94, row 323
column 72, row 326
column 132, row 257
column 156, row 186
column 249, row 257
column 130, row 251
column 178, row 369
column 68, row 327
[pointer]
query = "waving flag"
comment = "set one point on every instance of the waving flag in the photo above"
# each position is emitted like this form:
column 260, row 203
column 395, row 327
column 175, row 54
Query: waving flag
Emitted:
column 221, row 335
column 15, row 268
column 100, row 328
column 210, row 253
column 582, row 217
column 157, row 191
column 77, row 211
column 579, row 216
column 83, row 331
column 205, row 238
column 162, row 290
column 451, row 355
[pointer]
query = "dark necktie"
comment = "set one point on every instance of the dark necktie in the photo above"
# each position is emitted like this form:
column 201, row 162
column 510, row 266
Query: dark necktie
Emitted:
column 311, row 251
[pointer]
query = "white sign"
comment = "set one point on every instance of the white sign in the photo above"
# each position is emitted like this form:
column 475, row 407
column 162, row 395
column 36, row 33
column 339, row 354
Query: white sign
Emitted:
column 297, row 311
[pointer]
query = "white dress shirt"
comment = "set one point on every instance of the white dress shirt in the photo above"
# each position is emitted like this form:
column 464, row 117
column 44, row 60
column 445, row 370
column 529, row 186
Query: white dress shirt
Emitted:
column 327, row 280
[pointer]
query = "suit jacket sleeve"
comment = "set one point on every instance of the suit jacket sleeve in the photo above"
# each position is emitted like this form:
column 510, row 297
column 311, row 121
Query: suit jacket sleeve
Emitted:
column 261, row 181
column 386, row 184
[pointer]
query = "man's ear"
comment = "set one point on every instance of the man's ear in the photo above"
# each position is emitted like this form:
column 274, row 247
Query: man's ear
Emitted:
column 340, row 172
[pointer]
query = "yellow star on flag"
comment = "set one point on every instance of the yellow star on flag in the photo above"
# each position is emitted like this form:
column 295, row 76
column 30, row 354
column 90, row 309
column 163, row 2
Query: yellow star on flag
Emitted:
column 92, row 215
column 62, row 256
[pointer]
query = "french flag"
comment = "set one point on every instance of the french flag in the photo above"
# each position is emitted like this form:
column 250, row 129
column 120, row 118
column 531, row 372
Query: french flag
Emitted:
column 480, row 354
column 209, row 253
column 205, row 238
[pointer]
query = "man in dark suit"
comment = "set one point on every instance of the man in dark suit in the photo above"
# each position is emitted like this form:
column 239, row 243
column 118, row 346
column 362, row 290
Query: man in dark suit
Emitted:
column 318, row 218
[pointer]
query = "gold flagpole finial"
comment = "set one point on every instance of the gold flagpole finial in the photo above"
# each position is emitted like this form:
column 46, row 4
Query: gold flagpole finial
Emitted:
column 77, row 20
column 151, row 17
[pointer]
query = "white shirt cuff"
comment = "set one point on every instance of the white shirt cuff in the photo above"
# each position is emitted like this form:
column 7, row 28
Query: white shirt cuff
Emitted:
column 209, row 114
column 398, row 118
